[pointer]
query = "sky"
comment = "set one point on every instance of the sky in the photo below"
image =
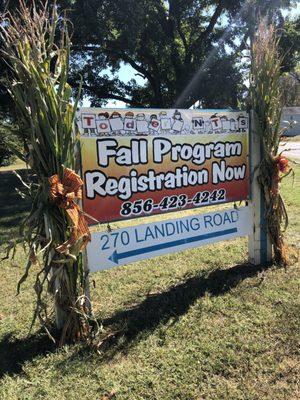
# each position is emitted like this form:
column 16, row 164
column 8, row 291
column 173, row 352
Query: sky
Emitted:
column 126, row 72
column 294, row 12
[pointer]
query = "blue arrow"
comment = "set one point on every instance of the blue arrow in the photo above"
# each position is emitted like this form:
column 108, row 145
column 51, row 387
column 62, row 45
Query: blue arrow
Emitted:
column 115, row 257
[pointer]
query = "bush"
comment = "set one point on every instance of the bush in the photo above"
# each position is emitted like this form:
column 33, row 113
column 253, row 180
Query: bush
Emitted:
column 8, row 140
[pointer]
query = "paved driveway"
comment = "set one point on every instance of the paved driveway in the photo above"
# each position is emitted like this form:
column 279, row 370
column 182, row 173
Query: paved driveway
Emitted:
column 291, row 150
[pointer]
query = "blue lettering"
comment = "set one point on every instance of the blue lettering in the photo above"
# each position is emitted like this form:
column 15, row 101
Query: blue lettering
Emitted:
column 184, row 226
column 207, row 220
column 170, row 233
column 195, row 224
column 234, row 216
column 218, row 219
column 226, row 218
column 159, row 230
column 149, row 233
column 137, row 237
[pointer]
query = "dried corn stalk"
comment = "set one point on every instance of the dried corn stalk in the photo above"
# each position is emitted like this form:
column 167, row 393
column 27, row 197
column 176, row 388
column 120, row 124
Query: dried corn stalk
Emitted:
column 267, row 105
column 36, row 47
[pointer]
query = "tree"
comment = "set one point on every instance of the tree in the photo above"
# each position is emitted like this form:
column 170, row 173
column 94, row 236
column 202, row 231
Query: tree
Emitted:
column 290, row 45
column 169, row 43
column 6, row 107
column 290, row 86
column 186, row 50
column 9, row 144
column 290, row 48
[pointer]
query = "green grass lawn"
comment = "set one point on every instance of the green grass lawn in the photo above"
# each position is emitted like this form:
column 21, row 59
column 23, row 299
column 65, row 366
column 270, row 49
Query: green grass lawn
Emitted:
column 196, row 325
column 18, row 164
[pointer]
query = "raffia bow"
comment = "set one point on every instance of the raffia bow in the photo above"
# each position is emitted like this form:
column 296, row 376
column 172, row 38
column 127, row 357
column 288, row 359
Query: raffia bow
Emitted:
column 64, row 193
column 281, row 166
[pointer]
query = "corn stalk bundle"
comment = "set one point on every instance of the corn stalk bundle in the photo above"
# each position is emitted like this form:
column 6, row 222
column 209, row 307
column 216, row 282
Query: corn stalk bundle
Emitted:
column 36, row 47
column 267, row 105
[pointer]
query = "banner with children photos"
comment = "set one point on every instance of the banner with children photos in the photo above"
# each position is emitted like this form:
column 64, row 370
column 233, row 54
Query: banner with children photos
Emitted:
column 139, row 162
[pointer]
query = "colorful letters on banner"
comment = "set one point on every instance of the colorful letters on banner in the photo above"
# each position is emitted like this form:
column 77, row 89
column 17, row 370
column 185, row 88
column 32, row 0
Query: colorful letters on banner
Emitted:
column 141, row 162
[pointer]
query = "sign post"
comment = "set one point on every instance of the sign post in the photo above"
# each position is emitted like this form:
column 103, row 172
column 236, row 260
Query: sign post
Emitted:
column 260, row 247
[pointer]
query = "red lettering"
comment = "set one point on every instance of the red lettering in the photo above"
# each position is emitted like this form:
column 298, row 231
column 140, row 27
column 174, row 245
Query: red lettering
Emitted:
column 88, row 119
column 103, row 125
column 130, row 125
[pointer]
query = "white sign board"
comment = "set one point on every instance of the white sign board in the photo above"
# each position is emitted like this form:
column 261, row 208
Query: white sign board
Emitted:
column 127, row 245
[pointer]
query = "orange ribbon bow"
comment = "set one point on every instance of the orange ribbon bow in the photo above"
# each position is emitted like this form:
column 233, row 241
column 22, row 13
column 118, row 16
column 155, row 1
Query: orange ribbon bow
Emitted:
column 64, row 193
column 281, row 165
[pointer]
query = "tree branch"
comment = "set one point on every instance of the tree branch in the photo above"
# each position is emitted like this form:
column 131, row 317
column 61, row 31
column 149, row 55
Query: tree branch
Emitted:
column 168, row 23
column 243, row 45
column 153, row 82
column 214, row 19
column 85, row 47
column 296, row 76
column 181, row 34
column 137, row 67
column 121, row 55
column 127, row 59
column 111, row 96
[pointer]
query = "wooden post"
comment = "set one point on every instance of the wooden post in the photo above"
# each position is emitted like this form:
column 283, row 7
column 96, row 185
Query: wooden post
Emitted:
column 78, row 168
column 86, row 281
column 60, row 315
column 260, row 247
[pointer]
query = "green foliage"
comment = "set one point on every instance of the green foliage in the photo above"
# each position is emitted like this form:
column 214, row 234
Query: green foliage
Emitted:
column 166, row 43
column 289, row 44
column 290, row 87
column 169, row 43
column 9, row 144
column 289, row 48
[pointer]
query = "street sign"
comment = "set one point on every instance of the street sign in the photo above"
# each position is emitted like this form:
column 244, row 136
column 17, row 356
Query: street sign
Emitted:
column 127, row 245
column 142, row 162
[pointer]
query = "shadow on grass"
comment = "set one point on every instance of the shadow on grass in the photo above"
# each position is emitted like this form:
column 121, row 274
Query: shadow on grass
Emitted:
column 12, row 207
column 129, row 325
column 158, row 308
column 14, row 353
